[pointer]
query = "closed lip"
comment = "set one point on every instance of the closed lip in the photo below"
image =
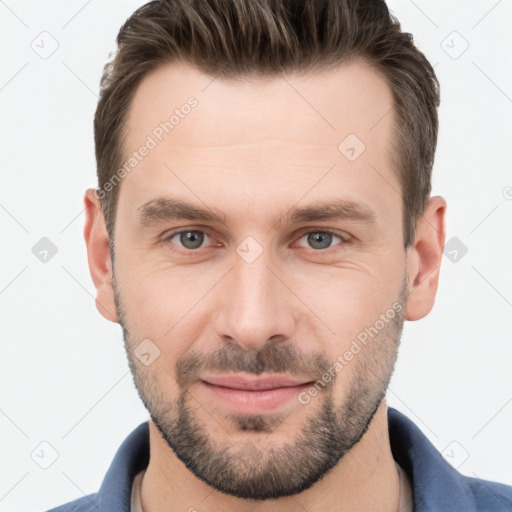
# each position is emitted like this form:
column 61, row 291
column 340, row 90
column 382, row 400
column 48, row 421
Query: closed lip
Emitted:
column 254, row 383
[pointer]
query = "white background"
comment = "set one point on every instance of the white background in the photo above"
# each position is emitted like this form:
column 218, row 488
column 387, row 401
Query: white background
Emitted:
column 65, row 378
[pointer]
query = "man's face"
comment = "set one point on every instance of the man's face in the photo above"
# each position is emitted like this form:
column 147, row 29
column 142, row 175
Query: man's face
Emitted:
column 263, row 289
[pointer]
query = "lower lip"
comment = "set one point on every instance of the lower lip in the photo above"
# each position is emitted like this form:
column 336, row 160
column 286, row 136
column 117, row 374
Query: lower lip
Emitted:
column 253, row 402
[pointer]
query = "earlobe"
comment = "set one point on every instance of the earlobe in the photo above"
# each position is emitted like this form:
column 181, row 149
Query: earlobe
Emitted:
column 98, row 256
column 424, row 260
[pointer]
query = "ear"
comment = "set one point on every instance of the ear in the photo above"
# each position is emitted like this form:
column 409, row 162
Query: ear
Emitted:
column 98, row 256
column 424, row 259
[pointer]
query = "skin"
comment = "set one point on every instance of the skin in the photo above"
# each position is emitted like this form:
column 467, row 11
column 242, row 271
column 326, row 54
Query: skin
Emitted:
column 252, row 150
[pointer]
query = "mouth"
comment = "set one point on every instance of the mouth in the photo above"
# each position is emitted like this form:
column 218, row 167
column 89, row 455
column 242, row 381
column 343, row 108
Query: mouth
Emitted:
column 255, row 383
column 253, row 395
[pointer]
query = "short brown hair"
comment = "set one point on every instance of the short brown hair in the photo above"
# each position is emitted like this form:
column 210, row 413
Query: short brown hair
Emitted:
column 242, row 38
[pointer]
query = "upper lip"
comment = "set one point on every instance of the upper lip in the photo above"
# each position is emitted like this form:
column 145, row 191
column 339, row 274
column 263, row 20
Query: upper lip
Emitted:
column 254, row 383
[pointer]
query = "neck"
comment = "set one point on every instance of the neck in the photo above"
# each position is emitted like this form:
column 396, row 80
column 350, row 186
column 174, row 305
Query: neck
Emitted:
column 365, row 479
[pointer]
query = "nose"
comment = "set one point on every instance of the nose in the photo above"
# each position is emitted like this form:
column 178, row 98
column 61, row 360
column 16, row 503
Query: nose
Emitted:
column 256, row 304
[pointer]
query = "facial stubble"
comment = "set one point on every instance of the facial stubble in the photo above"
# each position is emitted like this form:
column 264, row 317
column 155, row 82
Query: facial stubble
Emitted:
column 261, row 471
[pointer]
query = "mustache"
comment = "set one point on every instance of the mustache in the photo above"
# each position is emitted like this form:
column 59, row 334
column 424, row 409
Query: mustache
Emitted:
column 273, row 357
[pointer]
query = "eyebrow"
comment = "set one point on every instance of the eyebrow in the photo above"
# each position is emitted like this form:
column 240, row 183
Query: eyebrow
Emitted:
column 167, row 209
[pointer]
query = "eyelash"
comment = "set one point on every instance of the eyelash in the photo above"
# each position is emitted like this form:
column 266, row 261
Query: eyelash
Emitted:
column 345, row 239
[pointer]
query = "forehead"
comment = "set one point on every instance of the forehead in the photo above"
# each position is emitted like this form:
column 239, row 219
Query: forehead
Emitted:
column 250, row 135
column 326, row 105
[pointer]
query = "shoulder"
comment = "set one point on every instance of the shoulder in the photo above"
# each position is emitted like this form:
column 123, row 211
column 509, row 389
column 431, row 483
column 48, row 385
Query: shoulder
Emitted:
column 437, row 485
column 85, row 504
column 489, row 496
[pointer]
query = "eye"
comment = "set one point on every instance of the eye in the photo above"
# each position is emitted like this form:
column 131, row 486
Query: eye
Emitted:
column 319, row 240
column 193, row 239
column 190, row 239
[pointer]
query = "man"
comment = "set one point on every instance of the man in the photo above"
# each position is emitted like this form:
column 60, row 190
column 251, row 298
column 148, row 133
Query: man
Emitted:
column 262, row 229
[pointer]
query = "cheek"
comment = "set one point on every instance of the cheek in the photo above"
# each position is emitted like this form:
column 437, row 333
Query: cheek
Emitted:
column 348, row 301
column 165, row 305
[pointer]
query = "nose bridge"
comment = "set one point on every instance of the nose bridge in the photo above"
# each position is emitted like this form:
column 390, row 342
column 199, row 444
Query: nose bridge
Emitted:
column 255, row 305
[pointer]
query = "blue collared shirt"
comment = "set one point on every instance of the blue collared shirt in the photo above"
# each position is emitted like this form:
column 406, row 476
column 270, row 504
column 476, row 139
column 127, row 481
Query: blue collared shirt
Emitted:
column 437, row 486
